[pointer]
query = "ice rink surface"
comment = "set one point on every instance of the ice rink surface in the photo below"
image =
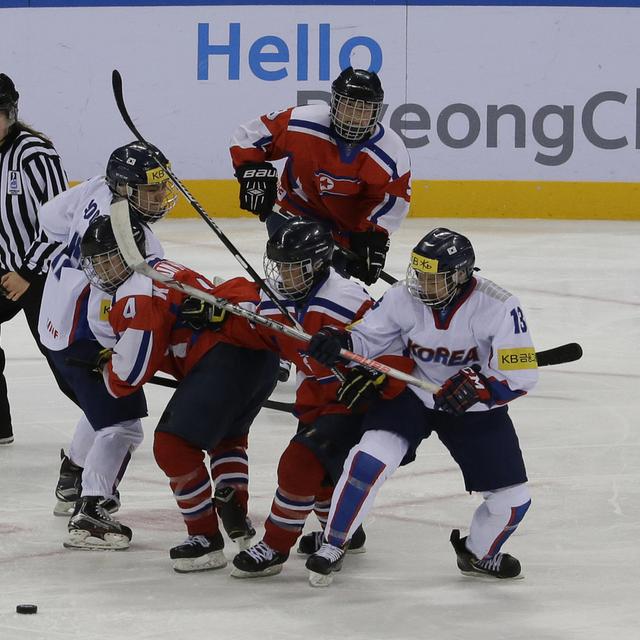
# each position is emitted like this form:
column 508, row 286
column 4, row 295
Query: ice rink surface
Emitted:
column 579, row 429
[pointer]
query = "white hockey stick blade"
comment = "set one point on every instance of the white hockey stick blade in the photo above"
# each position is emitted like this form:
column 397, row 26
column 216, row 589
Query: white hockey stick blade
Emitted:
column 121, row 225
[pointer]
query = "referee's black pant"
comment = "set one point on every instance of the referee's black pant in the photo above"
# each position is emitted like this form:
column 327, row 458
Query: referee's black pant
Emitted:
column 29, row 302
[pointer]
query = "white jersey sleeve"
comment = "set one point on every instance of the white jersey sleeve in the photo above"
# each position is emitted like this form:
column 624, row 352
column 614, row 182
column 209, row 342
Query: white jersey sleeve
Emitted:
column 487, row 328
column 69, row 309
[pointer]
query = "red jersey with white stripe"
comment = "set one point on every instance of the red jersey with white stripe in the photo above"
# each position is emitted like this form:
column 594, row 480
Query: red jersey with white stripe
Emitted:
column 150, row 337
column 335, row 301
column 355, row 187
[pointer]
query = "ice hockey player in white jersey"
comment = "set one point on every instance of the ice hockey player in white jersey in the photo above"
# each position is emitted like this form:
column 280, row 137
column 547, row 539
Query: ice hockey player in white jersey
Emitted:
column 469, row 337
column 74, row 326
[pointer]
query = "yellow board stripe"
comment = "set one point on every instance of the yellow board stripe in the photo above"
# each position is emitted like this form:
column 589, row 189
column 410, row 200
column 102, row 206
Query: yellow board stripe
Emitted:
column 467, row 199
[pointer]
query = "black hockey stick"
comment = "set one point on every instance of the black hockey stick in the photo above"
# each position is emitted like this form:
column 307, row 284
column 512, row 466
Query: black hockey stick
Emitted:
column 559, row 355
column 116, row 81
column 161, row 381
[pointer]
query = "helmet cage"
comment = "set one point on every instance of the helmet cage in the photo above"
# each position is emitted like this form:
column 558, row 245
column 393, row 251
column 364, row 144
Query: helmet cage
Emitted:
column 137, row 172
column 152, row 201
column 435, row 289
column 106, row 270
column 354, row 119
column 293, row 280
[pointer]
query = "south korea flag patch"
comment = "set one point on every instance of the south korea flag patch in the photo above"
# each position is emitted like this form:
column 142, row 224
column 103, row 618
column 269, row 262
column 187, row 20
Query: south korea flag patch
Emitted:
column 14, row 184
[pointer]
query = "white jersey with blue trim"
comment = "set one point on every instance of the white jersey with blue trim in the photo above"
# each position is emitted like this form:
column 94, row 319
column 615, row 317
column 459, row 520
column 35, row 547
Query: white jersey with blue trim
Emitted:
column 71, row 308
column 485, row 326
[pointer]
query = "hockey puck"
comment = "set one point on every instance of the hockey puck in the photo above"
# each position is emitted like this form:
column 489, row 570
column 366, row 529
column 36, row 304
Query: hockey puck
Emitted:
column 27, row 608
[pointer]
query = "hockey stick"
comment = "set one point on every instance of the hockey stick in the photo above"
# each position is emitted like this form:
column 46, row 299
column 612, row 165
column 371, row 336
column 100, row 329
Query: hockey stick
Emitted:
column 161, row 381
column 559, row 355
column 116, row 81
column 120, row 221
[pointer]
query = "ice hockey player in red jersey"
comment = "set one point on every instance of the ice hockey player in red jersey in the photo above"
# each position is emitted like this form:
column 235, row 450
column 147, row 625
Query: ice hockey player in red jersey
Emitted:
column 297, row 266
column 222, row 388
column 343, row 168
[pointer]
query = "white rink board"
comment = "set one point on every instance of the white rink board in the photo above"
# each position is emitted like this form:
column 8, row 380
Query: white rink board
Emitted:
column 547, row 62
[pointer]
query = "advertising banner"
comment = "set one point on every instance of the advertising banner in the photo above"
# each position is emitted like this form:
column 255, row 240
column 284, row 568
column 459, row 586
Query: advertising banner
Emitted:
column 491, row 101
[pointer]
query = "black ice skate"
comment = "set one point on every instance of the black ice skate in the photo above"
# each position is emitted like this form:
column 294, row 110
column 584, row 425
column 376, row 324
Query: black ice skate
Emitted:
column 199, row 553
column 502, row 565
column 234, row 517
column 258, row 561
column 69, row 486
column 91, row 527
column 311, row 542
column 323, row 563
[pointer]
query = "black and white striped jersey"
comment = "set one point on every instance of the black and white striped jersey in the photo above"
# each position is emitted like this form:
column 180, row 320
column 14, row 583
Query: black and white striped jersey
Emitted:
column 31, row 173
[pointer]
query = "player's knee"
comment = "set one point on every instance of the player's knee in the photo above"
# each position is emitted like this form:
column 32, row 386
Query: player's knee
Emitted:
column 127, row 432
column 300, row 468
column 174, row 455
column 514, row 500
column 388, row 447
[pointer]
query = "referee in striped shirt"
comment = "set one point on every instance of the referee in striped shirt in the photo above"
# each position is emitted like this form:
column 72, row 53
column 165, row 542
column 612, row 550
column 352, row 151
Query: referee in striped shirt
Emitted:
column 31, row 173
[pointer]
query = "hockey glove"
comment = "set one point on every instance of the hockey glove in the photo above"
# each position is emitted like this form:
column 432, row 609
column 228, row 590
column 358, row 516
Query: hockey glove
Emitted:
column 361, row 387
column 461, row 391
column 325, row 345
column 200, row 315
column 258, row 187
column 104, row 355
column 371, row 248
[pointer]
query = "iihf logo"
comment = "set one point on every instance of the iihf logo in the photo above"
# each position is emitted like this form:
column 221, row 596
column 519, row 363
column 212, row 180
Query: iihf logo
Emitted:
column 14, row 187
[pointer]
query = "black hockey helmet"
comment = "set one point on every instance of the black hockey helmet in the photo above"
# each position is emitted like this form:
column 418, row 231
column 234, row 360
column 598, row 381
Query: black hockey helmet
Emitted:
column 101, row 259
column 441, row 263
column 9, row 98
column 356, row 104
column 297, row 256
column 136, row 172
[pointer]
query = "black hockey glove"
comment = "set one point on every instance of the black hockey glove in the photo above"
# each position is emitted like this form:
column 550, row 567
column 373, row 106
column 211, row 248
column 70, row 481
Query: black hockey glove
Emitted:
column 325, row 345
column 199, row 314
column 361, row 387
column 462, row 390
column 258, row 187
column 371, row 248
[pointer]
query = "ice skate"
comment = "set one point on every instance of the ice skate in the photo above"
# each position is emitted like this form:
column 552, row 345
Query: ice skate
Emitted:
column 199, row 553
column 91, row 527
column 311, row 542
column 258, row 561
column 69, row 486
column 501, row 566
column 234, row 517
column 323, row 563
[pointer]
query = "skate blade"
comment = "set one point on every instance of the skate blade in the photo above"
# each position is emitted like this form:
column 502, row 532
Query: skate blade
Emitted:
column 269, row 571
column 488, row 577
column 320, row 579
column 84, row 540
column 208, row 562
